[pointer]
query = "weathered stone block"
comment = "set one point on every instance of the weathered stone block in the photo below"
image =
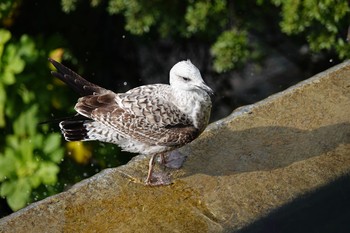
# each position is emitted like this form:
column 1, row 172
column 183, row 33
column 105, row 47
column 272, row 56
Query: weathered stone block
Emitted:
column 250, row 172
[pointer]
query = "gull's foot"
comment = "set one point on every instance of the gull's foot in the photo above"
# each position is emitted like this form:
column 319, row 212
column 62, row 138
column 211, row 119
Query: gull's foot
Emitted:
column 158, row 178
column 174, row 159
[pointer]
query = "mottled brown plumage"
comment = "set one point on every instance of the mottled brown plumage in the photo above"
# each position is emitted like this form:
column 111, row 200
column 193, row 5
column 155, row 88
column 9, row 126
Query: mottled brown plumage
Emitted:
column 150, row 119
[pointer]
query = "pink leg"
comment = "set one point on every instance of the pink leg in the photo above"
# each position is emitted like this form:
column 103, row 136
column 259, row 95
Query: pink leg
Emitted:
column 150, row 170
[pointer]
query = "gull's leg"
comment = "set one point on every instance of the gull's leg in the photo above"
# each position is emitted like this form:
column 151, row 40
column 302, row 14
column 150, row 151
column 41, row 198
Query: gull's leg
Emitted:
column 150, row 170
column 162, row 159
column 158, row 178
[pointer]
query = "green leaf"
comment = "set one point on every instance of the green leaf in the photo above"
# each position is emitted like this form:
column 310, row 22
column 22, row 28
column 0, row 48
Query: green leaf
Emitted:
column 12, row 141
column 27, row 95
column 19, row 125
column 26, row 123
column 20, row 194
column 38, row 140
column 7, row 188
column 27, row 48
column 35, row 181
column 7, row 164
column 51, row 143
column 16, row 65
column 48, row 172
column 2, row 105
column 4, row 37
column 32, row 120
column 26, row 150
column 7, row 77
column 57, row 155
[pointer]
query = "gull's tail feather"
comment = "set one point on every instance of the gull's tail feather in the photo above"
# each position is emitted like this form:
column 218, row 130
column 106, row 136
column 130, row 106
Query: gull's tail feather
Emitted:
column 88, row 130
column 75, row 81
column 74, row 130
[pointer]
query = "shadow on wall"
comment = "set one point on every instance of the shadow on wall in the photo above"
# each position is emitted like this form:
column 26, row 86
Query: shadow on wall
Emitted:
column 263, row 148
column 323, row 211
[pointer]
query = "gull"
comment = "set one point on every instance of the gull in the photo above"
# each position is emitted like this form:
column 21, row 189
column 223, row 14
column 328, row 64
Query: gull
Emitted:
column 151, row 119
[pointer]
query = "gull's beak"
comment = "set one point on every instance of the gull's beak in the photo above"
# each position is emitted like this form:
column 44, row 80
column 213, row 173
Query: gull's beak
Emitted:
column 205, row 88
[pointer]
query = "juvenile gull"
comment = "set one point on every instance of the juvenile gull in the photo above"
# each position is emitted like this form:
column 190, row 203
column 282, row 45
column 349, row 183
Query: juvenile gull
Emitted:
column 150, row 119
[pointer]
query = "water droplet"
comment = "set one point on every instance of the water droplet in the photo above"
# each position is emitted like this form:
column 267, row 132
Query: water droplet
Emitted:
column 331, row 60
column 123, row 36
column 125, row 83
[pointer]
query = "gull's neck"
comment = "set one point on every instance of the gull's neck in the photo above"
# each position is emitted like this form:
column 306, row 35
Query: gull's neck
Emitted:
column 196, row 104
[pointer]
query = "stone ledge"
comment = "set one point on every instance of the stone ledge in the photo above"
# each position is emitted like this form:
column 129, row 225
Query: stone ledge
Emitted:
column 259, row 161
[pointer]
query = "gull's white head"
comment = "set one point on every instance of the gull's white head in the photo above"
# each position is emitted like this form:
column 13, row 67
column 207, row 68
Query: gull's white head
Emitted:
column 186, row 76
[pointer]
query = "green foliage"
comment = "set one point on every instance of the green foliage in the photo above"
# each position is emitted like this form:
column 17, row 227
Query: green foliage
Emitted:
column 31, row 155
column 6, row 7
column 196, row 16
column 139, row 15
column 231, row 48
column 169, row 17
column 68, row 5
column 28, row 158
column 181, row 19
column 323, row 22
column 205, row 16
column 4, row 37
column 12, row 63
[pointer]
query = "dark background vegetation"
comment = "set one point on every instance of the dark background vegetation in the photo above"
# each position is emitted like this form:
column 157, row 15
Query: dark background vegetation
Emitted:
column 246, row 51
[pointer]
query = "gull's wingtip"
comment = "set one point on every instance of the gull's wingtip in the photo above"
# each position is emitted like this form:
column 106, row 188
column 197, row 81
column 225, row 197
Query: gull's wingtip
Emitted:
column 53, row 62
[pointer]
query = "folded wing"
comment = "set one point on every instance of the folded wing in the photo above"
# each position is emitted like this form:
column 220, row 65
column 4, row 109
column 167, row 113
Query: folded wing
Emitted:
column 141, row 117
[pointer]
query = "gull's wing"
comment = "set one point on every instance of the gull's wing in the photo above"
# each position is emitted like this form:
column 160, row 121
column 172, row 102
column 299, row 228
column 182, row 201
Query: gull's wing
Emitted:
column 75, row 81
column 141, row 115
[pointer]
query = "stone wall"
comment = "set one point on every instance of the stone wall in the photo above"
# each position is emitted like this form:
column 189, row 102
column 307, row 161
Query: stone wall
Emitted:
column 281, row 165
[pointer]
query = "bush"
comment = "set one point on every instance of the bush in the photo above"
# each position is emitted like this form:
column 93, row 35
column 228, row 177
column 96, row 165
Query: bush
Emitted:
column 30, row 154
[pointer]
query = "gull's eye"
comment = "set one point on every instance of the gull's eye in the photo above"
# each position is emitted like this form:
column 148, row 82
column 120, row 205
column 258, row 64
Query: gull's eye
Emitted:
column 185, row 79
